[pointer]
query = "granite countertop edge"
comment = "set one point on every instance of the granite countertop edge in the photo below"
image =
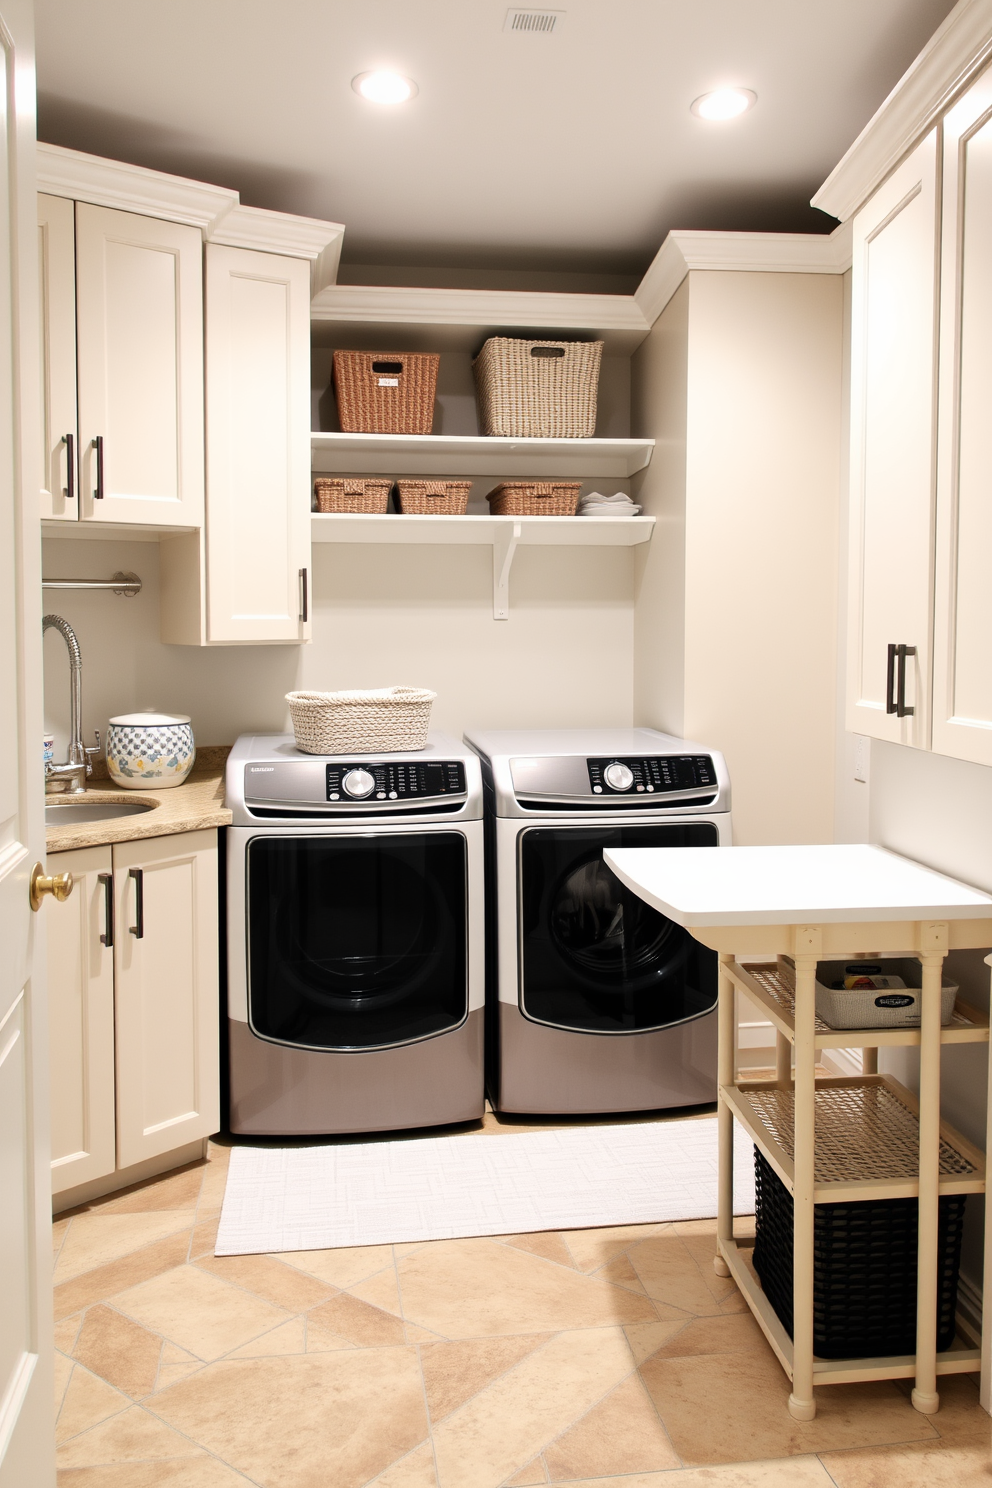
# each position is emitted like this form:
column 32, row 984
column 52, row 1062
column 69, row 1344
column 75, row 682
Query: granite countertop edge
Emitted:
column 194, row 806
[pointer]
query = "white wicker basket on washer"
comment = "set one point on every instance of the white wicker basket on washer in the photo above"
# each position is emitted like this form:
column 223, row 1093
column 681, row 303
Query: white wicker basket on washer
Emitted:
column 382, row 720
column 538, row 389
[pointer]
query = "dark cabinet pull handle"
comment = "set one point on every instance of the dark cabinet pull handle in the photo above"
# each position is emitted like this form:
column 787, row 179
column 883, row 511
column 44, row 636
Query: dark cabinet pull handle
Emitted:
column 305, row 596
column 70, row 466
column 895, row 681
column 107, row 879
column 138, row 928
column 98, row 446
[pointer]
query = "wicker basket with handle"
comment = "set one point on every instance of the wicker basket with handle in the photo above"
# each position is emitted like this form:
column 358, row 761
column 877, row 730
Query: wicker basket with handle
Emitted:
column 538, row 389
column 385, row 392
column 534, row 498
column 419, row 498
column 351, row 493
column 381, row 721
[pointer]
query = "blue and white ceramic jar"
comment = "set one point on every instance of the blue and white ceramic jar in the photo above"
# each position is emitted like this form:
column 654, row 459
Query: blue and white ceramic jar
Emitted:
column 150, row 749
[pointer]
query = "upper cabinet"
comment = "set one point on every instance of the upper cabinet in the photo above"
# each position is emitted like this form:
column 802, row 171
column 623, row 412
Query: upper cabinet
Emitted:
column 893, row 353
column 122, row 363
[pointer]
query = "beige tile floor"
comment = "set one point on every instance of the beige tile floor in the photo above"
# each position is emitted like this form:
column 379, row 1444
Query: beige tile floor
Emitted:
column 610, row 1357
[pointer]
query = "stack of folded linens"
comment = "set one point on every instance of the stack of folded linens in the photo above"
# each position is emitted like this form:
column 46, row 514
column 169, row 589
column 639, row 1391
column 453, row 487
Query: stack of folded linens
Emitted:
column 595, row 504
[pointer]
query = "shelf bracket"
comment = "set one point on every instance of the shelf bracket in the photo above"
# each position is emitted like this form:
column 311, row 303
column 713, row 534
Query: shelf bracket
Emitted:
column 505, row 541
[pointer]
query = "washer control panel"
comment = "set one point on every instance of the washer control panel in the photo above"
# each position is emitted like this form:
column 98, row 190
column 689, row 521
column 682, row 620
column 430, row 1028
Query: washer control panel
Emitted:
column 655, row 775
column 397, row 780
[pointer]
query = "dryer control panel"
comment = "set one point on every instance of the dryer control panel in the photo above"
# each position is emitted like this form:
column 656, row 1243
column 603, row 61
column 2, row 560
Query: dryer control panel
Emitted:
column 651, row 775
column 395, row 780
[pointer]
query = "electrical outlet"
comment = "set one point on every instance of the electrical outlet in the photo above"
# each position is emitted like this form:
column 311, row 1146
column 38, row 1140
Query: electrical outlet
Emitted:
column 862, row 757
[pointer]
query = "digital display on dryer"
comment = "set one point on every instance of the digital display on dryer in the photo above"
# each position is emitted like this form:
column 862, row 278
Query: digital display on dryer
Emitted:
column 654, row 775
column 400, row 780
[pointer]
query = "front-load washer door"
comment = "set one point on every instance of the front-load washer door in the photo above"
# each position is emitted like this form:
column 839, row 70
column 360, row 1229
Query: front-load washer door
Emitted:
column 593, row 956
column 357, row 942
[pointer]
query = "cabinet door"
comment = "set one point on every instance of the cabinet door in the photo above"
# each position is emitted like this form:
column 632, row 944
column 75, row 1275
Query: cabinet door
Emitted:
column 81, row 1016
column 258, row 446
column 893, row 352
column 962, row 680
column 168, row 1076
column 139, row 319
column 57, row 285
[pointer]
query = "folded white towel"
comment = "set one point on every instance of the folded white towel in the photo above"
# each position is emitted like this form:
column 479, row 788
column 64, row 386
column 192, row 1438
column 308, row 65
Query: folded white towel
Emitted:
column 595, row 504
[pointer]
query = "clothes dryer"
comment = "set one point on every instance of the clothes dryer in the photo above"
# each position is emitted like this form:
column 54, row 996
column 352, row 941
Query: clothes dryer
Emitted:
column 595, row 1001
column 355, row 938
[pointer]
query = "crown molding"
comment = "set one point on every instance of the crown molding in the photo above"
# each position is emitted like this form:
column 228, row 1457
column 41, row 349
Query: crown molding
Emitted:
column 954, row 54
column 740, row 252
column 131, row 188
column 279, row 232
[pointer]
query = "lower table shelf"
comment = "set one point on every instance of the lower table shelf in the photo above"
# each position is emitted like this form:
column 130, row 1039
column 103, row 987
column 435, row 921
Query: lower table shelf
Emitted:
column 867, row 1138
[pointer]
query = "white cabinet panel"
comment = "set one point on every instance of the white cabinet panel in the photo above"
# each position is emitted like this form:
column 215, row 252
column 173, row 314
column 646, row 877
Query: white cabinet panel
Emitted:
column 139, row 322
column 167, row 995
column 962, row 689
column 258, row 446
column 893, row 354
column 81, row 1003
column 57, row 285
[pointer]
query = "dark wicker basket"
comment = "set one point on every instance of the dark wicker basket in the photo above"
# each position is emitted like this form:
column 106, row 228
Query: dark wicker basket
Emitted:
column 420, row 498
column 864, row 1268
column 385, row 392
column 351, row 493
column 534, row 498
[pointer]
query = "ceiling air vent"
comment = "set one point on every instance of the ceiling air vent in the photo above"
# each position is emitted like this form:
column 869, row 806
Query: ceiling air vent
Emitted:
column 533, row 22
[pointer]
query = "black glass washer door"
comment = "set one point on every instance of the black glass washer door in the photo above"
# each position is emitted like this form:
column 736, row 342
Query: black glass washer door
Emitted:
column 594, row 957
column 357, row 942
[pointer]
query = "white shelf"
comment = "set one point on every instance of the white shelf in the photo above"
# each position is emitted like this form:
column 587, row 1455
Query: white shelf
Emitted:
column 467, row 454
column 504, row 534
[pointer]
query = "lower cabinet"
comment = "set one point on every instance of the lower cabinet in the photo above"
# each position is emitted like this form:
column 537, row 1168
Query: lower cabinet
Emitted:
column 133, row 996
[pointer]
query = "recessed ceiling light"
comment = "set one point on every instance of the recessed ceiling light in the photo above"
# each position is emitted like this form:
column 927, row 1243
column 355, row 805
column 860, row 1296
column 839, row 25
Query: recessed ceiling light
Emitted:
column 384, row 87
column 724, row 103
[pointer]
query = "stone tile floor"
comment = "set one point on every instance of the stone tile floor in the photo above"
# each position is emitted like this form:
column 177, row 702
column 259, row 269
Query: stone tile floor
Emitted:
column 610, row 1357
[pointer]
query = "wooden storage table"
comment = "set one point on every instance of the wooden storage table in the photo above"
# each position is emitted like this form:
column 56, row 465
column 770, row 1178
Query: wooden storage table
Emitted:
column 810, row 904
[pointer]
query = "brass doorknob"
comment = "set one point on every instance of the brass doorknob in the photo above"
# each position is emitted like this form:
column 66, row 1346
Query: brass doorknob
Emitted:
column 59, row 885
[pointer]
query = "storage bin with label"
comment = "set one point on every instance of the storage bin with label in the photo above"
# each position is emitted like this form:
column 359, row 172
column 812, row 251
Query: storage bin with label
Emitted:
column 538, row 389
column 876, row 1006
column 385, row 392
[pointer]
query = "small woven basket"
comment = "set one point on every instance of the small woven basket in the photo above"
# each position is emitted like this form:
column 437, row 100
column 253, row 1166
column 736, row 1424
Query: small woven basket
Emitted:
column 351, row 493
column 381, row 721
column 534, row 498
column 448, row 498
column 538, row 389
column 385, row 392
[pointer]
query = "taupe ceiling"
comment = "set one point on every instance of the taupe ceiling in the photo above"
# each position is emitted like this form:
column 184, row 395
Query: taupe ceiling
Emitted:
column 570, row 152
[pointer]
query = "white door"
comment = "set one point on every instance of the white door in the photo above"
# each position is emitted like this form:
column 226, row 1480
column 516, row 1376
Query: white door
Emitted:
column 893, row 373
column 962, row 675
column 26, row 1427
column 168, row 1055
column 258, row 446
column 139, row 328
column 57, row 284
column 81, row 1003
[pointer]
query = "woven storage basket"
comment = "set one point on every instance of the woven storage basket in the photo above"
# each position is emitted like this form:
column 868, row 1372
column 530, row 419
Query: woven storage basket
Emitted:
column 385, row 392
column 421, row 497
column 855, row 1007
column 864, row 1268
column 351, row 493
column 377, row 722
column 534, row 498
column 538, row 389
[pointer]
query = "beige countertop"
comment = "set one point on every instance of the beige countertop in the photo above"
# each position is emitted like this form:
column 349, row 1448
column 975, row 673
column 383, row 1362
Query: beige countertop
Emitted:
column 190, row 807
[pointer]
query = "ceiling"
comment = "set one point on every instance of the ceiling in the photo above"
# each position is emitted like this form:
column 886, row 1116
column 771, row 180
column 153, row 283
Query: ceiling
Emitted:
column 570, row 152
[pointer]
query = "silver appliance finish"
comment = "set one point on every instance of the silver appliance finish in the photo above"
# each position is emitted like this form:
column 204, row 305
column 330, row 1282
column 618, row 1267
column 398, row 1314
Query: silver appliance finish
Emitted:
column 276, row 791
column 542, row 778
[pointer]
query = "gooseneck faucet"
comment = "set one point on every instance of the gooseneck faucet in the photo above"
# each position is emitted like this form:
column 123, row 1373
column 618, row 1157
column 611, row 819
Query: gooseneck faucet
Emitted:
column 77, row 764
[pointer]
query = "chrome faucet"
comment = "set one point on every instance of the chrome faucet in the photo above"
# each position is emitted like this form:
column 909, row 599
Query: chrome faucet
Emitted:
column 77, row 765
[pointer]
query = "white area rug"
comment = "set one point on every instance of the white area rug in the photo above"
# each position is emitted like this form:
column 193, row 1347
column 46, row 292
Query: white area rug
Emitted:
column 443, row 1188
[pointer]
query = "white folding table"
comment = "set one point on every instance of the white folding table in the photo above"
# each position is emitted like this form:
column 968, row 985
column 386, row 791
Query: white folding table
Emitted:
column 801, row 905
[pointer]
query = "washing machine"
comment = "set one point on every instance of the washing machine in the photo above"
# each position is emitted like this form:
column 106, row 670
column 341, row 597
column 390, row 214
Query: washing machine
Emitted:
column 595, row 1001
column 355, row 922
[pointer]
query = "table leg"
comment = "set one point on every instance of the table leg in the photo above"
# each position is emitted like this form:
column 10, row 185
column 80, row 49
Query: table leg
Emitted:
column 725, row 1068
column 869, row 1061
column 783, row 1059
column 925, row 1397
column 801, row 1403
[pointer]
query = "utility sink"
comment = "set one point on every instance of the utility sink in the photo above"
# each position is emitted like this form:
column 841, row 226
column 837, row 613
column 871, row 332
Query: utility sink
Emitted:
column 63, row 813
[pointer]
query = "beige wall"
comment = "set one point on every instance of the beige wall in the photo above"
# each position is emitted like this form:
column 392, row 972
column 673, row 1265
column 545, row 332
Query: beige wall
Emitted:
column 382, row 615
column 761, row 385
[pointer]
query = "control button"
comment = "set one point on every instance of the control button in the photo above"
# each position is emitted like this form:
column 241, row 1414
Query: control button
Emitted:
column 650, row 787
column 640, row 787
column 618, row 777
column 380, row 795
column 392, row 795
column 358, row 784
column 598, row 789
column 335, row 796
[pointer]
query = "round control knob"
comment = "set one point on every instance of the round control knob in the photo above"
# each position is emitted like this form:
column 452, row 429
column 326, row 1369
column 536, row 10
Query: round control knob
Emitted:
column 618, row 777
column 358, row 784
